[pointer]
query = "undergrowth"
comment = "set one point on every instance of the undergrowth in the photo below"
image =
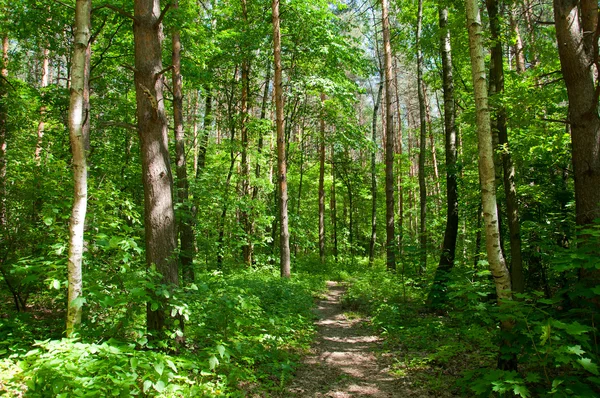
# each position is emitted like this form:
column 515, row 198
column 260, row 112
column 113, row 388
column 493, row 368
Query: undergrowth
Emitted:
column 244, row 334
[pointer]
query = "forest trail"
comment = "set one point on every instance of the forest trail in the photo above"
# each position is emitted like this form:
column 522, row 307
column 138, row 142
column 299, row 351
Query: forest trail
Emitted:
column 343, row 361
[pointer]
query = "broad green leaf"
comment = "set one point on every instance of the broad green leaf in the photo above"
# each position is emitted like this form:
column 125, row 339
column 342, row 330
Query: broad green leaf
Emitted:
column 589, row 365
column 159, row 367
column 213, row 362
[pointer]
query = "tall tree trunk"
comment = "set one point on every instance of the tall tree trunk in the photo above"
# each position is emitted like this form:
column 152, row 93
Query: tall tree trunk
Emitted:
column 159, row 217
column 374, row 172
column 3, row 131
column 495, row 258
column 400, row 163
column 499, row 124
column 517, row 50
column 322, row 183
column 42, row 123
column 206, row 127
column 333, row 206
column 422, row 144
column 577, row 34
column 389, row 140
column 284, row 235
column 77, row 118
column 244, row 216
column 185, row 230
column 438, row 291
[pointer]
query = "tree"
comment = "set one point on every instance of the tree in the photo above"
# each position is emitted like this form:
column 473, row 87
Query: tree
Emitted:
column 322, row 183
column 78, row 117
column 422, row 143
column 487, row 176
column 159, row 217
column 284, row 234
column 389, row 140
column 499, row 126
column 577, row 35
column 185, row 231
column 438, row 290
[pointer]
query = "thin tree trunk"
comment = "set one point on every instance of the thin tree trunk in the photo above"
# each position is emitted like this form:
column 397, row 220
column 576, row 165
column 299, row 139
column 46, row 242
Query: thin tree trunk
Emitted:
column 517, row 47
column 3, row 131
column 333, row 206
column 284, row 235
column 422, row 145
column 206, row 127
column 374, row 172
column 322, row 183
column 244, row 216
column 495, row 258
column 159, row 217
column 400, row 163
column 185, row 230
column 77, row 118
column 389, row 140
column 438, row 291
column 41, row 123
column 499, row 124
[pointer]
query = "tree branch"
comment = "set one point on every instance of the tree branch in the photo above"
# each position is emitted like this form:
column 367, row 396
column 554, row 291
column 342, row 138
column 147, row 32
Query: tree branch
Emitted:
column 125, row 125
column 159, row 74
column 117, row 10
column 162, row 14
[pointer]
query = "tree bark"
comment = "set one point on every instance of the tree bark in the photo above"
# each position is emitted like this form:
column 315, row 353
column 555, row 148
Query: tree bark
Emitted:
column 486, row 155
column 499, row 124
column 333, row 206
column 42, row 123
column 322, row 183
column 206, row 126
column 78, row 117
column 374, row 172
column 422, row 145
column 284, row 235
column 3, row 131
column 389, row 140
column 185, row 230
column 577, row 34
column 247, row 248
column 438, row 291
column 159, row 217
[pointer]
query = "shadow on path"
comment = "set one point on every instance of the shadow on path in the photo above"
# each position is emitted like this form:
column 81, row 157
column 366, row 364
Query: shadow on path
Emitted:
column 343, row 363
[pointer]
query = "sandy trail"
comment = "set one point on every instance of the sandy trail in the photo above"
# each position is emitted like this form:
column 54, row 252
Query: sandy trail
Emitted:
column 343, row 363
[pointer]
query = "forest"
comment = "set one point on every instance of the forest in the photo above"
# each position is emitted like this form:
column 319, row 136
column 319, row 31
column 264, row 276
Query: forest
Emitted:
column 186, row 186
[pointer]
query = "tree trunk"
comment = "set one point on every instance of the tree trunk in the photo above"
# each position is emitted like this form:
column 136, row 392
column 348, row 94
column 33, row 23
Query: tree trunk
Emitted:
column 499, row 124
column 185, row 230
column 322, row 183
column 41, row 123
column 284, row 235
column 3, row 131
column 333, row 206
column 206, row 126
column 422, row 145
column 438, row 291
column 244, row 216
column 159, row 217
column 77, row 118
column 389, row 140
column 400, row 163
column 374, row 172
column 577, row 35
column 518, row 52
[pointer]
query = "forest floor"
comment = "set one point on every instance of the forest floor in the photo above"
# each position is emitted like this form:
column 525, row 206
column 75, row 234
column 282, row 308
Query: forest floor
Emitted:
column 346, row 359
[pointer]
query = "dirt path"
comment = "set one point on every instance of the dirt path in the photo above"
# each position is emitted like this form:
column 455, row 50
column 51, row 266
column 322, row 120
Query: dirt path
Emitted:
column 343, row 363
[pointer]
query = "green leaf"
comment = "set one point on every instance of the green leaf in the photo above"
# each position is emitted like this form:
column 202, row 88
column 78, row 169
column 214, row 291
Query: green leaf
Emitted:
column 147, row 385
column 159, row 386
column 576, row 349
column 213, row 362
column 521, row 390
column 55, row 284
column 48, row 220
column 589, row 365
column 159, row 367
column 134, row 363
column 221, row 350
